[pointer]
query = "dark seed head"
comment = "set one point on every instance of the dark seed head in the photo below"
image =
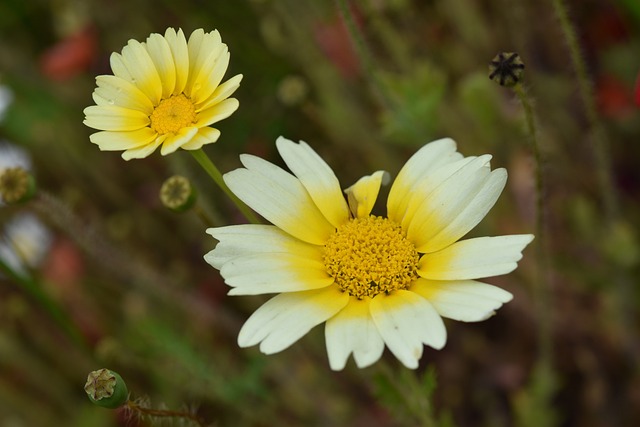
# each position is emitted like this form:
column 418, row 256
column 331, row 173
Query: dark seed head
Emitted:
column 506, row 69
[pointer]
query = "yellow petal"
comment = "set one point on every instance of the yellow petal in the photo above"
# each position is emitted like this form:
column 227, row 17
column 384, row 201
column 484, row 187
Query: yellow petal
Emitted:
column 363, row 194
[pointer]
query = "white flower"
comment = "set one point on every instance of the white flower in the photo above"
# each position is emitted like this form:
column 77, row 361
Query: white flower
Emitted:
column 374, row 280
column 24, row 243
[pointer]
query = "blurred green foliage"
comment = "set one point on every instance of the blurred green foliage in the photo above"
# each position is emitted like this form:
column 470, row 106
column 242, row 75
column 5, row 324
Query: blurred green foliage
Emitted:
column 124, row 285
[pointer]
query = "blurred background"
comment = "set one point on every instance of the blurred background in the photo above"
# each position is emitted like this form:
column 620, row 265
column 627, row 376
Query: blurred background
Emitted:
column 97, row 273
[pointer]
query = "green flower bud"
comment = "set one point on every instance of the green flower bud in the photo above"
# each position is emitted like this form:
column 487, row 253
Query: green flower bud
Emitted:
column 506, row 69
column 16, row 185
column 106, row 388
column 178, row 194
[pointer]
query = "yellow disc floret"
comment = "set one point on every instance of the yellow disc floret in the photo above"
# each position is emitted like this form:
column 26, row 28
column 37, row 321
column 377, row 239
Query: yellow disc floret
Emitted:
column 371, row 255
column 173, row 114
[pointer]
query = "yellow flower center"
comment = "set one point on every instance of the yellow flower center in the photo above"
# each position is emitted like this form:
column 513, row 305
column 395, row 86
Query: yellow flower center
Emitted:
column 371, row 255
column 173, row 114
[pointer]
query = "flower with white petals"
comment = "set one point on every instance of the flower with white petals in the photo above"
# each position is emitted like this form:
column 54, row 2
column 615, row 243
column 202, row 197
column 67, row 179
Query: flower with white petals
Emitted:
column 24, row 243
column 374, row 280
column 165, row 92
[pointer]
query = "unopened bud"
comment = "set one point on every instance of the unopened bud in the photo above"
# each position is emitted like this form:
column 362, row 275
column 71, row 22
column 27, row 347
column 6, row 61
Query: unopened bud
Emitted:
column 106, row 388
column 16, row 185
column 178, row 194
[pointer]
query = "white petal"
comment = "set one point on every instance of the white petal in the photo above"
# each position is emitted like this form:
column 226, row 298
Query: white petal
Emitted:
column 280, row 198
column 427, row 185
column 406, row 321
column 285, row 318
column 430, row 201
column 352, row 330
column 363, row 194
column 466, row 301
column 272, row 273
column 455, row 207
column 251, row 239
column 317, row 177
column 424, row 162
column 475, row 258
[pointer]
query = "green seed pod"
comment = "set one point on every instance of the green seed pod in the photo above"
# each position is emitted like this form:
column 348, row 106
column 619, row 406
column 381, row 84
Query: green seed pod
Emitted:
column 178, row 194
column 106, row 388
column 506, row 69
column 16, row 185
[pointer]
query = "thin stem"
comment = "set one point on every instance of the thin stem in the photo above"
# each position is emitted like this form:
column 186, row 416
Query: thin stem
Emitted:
column 34, row 289
column 161, row 413
column 412, row 393
column 363, row 53
column 542, row 287
column 206, row 163
column 604, row 173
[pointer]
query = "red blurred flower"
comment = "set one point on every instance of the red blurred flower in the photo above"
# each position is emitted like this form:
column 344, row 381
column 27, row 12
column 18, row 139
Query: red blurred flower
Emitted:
column 335, row 42
column 70, row 56
column 637, row 91
column 613, row 96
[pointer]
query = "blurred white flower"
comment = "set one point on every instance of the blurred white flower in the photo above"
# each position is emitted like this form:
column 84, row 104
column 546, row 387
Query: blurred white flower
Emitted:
column 6, row 98
column 24, row 243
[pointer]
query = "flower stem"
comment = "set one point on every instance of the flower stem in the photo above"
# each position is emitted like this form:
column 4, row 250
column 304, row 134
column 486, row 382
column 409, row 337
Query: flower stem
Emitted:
column 34, row 288
column 206, row 163
column 542, row 287
column 362, row 52
column 599, row 138
column 161, row 413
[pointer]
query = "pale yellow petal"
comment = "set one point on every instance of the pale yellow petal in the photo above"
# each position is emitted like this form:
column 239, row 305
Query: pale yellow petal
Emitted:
column 111, row 117
column 205, row 135
column 363, row 194
column 204, row 49
column 162, row 58
column 222, row 92
column 116, row 141
column 144, row 151
column 217, row 112
column 113, row 90
column 142, row 70
column 173, row 142
column 180, row 52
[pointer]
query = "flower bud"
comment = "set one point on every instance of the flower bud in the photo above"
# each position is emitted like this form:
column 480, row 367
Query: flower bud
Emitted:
column 178, row 194
column 506, row 69
column 16, row 185
column 106, row 388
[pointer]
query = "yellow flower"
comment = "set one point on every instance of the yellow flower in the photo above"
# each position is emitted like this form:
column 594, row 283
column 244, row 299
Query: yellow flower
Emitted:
column 374, row 280
column 165, row 92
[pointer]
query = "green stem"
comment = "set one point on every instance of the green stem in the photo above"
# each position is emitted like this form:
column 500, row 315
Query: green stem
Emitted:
column 542, row 287
column 363, row 53
column 34, row 289
column 206, row 163
column 600, row 143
